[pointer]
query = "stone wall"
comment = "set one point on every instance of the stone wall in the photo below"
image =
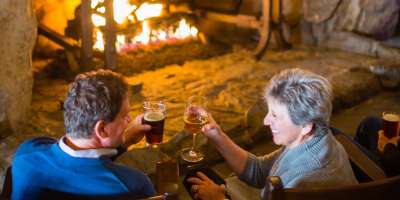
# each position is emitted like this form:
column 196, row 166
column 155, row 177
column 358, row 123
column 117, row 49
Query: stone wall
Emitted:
column 354, row 25
column 17, row 38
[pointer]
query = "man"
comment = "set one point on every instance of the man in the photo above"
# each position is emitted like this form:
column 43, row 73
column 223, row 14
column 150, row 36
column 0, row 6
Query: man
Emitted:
column 80, row 163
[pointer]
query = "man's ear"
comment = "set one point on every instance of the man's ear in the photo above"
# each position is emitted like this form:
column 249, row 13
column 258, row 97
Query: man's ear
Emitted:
column 307, row 128
column 99, row 129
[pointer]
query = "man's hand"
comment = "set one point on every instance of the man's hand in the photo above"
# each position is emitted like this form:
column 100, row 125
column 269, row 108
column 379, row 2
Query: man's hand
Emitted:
column 205, row 189
column 212, row 130
column 135, row 133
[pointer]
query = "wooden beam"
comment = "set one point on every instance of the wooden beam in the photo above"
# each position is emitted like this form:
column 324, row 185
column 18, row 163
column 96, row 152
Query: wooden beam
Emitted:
column 110, row 51
column 57, row 37
column 86, row 36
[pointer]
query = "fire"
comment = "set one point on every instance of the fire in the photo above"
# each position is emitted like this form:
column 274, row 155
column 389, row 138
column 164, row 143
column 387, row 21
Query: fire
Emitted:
column 147, row 10
column 143, row 37
column 184, row 30
column 99, row 44
column 124, row 11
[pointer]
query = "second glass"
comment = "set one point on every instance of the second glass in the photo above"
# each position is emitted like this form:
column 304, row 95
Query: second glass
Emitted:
column 154, row 115
column 390, row 124
column 195, row 117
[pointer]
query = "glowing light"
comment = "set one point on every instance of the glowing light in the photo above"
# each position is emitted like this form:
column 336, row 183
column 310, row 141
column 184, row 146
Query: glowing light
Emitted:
column 98, row 20
column 144, row 36
column 147, row 10
column 183, row 30
column 122, row 9
column 120, row 42
column 95, row 3
column 99, row 44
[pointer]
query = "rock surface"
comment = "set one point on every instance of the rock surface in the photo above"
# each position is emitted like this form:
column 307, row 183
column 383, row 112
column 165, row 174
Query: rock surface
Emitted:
column 353, row 25
column 17, row 37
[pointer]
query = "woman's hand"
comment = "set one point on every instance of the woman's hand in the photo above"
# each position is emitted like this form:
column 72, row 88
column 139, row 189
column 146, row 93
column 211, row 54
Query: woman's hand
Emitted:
column 212, row 130
column 205, row 189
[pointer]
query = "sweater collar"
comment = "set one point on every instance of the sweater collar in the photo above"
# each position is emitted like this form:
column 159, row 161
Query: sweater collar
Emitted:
column 316, row 150
column 89, row 153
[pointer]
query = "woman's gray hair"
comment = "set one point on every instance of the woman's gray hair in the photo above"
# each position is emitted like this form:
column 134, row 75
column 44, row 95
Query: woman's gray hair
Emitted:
column 308, row 97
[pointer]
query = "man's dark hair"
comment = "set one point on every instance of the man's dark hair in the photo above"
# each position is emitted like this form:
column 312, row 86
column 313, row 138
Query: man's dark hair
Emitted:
column 93, row 96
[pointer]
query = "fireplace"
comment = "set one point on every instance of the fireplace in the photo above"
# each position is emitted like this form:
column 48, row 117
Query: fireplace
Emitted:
column 111, row 27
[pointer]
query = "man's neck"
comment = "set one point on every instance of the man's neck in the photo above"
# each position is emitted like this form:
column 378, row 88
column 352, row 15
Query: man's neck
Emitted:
column 81, row 144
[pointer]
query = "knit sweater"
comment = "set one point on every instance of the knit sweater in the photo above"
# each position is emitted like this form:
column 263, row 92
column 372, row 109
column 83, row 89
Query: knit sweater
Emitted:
column 319, row 162
column 40, row 165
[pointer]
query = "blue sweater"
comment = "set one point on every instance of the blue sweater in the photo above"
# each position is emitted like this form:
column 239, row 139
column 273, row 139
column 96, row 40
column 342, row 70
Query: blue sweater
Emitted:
column 39, row 165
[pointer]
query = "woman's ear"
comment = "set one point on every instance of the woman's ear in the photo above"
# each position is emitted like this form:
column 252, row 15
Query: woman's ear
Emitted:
column 99, row 129
column 307, row 129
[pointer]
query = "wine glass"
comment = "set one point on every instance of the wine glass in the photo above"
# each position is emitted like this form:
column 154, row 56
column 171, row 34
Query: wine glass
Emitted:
column 195, row 117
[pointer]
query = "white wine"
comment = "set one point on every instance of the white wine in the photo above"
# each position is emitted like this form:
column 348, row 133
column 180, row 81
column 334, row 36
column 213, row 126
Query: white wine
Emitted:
column 194, row 123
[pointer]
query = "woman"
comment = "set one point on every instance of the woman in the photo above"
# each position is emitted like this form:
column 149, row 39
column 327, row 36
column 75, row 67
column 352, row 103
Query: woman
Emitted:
column 299, row 108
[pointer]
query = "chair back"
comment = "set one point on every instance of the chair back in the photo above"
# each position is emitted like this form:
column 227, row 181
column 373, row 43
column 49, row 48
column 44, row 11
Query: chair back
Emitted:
column 358, row 157
column 383, row 189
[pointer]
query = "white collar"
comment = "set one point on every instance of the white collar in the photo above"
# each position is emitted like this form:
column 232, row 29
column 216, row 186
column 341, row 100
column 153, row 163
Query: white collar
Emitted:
column 89, row 153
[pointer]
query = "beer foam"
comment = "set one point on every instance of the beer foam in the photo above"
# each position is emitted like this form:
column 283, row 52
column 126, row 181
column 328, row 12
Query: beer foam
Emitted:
column 391, row 117
column 154, row 116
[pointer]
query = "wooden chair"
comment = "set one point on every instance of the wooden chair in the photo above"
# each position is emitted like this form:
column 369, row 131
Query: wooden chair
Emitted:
column 383, row 189
column 380, row 187
column 358, row 157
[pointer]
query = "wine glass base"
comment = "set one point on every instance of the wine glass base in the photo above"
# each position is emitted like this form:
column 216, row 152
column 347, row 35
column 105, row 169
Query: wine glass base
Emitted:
column 189, row 155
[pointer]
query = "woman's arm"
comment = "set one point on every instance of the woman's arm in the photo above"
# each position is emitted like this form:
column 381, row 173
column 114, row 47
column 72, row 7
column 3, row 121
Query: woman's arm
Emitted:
column 234, row 155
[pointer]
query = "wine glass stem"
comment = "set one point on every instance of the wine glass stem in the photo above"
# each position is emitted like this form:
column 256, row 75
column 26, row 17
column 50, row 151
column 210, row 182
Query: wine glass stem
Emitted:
column 194, row 143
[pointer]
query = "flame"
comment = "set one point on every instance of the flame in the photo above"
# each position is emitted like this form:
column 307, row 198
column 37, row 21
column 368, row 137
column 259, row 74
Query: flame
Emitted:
column 122, row 9
column 99, row 44
column 144, row 36
column 184, row 30
column 120, row 42
column 95, row 3
column 147, row 10
column 98, row 20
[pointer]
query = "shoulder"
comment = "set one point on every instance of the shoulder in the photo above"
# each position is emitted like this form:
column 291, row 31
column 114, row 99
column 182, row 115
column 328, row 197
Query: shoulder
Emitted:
column 34, row 145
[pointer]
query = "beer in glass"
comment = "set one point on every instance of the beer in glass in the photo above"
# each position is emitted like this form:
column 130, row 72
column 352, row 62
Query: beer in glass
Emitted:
column 390, row 124
column 154, row 115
